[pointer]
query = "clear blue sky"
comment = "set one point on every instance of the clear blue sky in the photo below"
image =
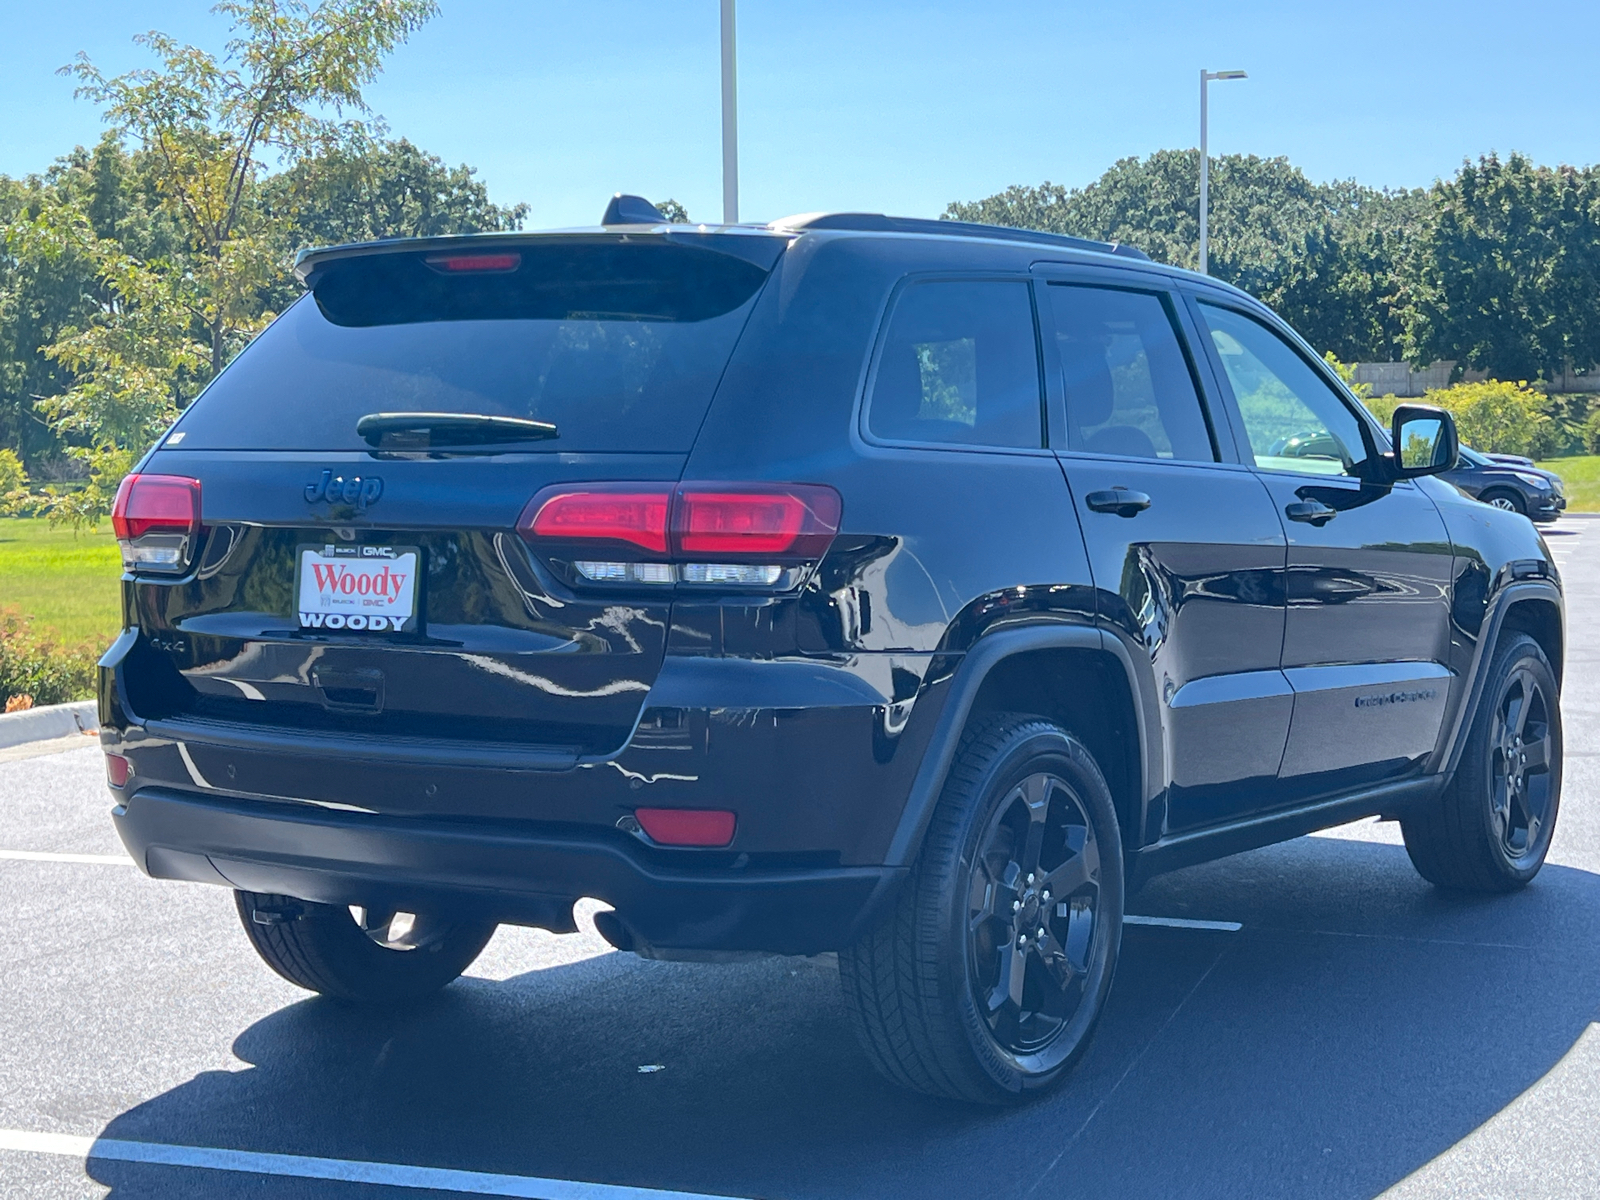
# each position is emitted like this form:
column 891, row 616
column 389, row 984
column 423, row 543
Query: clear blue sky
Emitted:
column 900, row 107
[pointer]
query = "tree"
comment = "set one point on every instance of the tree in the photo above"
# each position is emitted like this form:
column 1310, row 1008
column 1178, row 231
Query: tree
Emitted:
column 389, row 189
column 1324, row 254
column 674, row 212
column 47, row 287
column 1504, row 269
column 204, row 128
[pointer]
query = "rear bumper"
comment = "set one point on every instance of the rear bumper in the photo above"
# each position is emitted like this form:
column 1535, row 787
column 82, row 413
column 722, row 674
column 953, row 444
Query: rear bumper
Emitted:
column 516, row 876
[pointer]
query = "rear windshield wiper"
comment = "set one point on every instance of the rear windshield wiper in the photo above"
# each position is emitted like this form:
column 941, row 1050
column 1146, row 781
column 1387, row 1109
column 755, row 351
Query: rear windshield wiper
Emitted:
column 426, row 430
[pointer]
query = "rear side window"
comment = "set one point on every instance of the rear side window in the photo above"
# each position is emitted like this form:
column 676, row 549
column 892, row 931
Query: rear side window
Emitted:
column 1128, row 386
column 619, row 346
column 960, row 364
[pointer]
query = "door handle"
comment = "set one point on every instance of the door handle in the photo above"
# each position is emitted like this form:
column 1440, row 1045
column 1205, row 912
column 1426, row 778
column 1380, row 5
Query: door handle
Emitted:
column 1121, row 501
column 1310, row 512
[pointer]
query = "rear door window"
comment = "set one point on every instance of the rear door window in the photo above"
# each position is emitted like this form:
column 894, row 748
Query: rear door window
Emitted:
column 960, row 365
column 1129, row 389
column 620, row 347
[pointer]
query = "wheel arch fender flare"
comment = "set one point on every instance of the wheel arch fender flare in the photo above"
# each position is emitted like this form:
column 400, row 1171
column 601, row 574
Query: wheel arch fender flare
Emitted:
column 987, row 653
column 1509, row 596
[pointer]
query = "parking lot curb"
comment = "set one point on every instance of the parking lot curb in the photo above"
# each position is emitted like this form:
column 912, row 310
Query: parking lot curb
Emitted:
column 47, row 723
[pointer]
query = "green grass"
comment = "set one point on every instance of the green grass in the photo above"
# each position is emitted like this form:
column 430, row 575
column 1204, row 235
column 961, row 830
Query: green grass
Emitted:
column 1581, row 475
column 64, row 583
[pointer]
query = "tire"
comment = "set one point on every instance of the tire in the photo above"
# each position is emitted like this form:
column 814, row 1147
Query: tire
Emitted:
column 931, row 990
column 1491, row 828
column 1508, row 500
column 322, row 948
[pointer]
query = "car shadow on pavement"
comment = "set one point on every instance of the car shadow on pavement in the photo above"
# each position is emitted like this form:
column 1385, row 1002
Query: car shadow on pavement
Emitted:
column 1359, row 1026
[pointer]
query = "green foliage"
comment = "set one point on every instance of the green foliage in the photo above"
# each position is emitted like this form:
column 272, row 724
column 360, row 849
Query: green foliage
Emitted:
column 1347, row 372
column 1591, row 433
column 165, row 317
column 386, row 189
column 14, row 495
column 1383, row 407
column 674, row 212
column 1495, row 417
column 39, row 669
column 1325, row 255
column 12, row 476
column 1506, row 259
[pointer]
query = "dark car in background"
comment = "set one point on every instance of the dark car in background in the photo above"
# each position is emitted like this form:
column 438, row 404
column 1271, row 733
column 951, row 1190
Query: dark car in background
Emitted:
column 1509, row 482
column 907, row 589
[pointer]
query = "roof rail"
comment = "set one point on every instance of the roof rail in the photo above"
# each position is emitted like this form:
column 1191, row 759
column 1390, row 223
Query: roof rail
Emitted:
column 879, row 223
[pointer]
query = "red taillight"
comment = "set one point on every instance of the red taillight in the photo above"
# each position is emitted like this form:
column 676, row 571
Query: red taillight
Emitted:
column 156, row 504
column 600, row 514
column 118, row 769
column 731, row 535
column 687, row 826
column 481, row 264
column 719, row 524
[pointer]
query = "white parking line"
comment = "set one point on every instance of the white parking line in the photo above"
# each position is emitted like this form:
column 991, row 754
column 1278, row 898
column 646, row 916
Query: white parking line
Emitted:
column 1184, row 923
column 342, row 1170
column 104, row 860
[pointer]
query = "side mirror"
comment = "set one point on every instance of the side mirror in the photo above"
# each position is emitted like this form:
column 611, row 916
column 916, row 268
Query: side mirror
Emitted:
column 1425, row 440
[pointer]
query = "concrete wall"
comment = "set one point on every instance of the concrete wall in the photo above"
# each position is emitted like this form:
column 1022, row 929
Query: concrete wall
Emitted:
column 1398, row 379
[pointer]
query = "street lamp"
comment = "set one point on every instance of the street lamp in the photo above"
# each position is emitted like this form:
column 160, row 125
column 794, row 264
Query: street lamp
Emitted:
column 1205, row 163
column 730, row 121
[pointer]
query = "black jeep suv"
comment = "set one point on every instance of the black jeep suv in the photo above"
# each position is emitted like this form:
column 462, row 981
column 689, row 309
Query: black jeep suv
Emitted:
column 906, row 589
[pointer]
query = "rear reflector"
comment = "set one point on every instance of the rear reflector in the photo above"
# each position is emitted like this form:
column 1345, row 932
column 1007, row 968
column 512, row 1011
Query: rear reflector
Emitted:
column 118, row 769
column 600, row 513
column 481, row 264
column 156, row 503
column 687, row 826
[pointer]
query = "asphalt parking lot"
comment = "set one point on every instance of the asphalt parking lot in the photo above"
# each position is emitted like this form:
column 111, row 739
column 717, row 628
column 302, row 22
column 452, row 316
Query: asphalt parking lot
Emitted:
column 1357, row 1034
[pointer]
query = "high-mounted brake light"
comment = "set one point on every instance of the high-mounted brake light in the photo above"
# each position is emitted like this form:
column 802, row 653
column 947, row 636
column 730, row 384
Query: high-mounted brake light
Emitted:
column 156, row 518
column 720, row 534
column 481, row 264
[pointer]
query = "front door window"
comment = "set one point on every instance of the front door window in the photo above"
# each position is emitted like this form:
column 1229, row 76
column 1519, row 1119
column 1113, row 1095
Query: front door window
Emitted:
column 1295, row 421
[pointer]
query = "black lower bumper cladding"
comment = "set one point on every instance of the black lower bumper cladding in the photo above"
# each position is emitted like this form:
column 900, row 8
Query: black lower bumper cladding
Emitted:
column 331, row 857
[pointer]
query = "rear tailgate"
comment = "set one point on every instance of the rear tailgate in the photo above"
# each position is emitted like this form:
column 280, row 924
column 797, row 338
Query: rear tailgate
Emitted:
column 490, row 654
column 382, row 589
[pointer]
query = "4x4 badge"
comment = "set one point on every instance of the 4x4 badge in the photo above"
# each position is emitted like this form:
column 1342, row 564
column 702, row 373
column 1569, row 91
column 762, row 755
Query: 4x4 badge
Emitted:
column 336, row 489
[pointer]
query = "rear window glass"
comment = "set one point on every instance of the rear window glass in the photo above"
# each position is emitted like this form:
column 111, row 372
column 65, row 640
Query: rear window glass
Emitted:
column 960, row 364
column 619, row 346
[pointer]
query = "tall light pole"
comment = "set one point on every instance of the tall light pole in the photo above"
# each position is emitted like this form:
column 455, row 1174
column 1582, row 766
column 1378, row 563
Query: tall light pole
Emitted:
column 730, row 120
column 1205, row 162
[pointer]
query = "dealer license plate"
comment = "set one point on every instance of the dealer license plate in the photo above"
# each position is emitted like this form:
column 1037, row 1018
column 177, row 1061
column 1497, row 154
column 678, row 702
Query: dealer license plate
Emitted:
column 366, row 588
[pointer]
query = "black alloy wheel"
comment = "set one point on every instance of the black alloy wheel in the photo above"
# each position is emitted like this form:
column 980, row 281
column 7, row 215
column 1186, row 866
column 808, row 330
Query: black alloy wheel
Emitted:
column 1490, row 829
column 1521, row 751
column 1031, row 918
column 985, row 980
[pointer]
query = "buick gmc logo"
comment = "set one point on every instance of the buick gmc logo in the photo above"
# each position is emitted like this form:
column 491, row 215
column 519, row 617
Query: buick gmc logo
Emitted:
column 336, row 489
